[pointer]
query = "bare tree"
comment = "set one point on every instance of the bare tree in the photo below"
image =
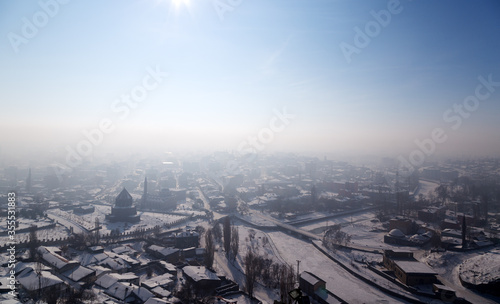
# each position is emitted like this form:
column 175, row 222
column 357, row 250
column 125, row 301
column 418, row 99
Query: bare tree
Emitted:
column 210, row 248
column 185, row 293
column 442, row 192
column 251, row 272
column 52, row 294
column 33, row 243
column 200, row 229
column 97, row 236
column 334, row 237
column 217, row 232
column 226, row 230
column 287, row 281
column 235, row 239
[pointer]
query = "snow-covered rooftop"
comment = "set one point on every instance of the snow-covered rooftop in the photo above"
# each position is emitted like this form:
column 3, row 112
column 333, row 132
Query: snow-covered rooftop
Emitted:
column 199, row 273
column 125, row 292
column 396, row 233
column 30, row 280
column 161, row 280
column 414, row 267
column 78, row 273
column 106, row 281
column 162, row 250
column 129, row 276
column 310, row 278
column 161, row 291
column 156, row 301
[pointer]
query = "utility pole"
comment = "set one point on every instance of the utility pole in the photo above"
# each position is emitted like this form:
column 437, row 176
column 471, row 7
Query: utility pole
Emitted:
column 298, row 273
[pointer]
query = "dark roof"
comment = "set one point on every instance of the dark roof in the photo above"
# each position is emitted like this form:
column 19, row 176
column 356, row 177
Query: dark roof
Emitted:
column 310, row 278
column 124, row 199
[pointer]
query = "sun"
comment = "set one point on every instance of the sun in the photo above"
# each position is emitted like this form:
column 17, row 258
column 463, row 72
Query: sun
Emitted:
column 174, row 8
column 178, row 3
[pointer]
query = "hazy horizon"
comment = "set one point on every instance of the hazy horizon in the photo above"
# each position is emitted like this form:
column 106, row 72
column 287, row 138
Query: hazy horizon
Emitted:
column 258, row 76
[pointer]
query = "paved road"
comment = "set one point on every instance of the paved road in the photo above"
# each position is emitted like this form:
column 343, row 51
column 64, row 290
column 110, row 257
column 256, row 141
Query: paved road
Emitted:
column 206, row 205
column 77, row 228
column 307, row 234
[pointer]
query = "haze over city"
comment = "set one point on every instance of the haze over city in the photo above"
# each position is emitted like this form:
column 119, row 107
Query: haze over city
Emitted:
column 249, row 151
column 229, row 68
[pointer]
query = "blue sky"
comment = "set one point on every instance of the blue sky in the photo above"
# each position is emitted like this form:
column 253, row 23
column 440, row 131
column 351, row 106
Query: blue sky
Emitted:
column 226, row 75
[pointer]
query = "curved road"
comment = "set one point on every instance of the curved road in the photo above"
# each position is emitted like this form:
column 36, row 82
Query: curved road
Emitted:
column 77, row 228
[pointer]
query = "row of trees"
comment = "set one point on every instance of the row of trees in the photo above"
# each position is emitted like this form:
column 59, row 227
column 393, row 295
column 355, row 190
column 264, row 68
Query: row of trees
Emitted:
column 228, row 235
column 231, row 238
column 273, row 275
column 256, row 267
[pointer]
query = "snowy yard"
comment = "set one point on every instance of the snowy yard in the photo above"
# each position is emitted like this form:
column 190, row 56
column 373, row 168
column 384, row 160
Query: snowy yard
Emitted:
column 481, row 269
column 426, row 188
column 148, row 219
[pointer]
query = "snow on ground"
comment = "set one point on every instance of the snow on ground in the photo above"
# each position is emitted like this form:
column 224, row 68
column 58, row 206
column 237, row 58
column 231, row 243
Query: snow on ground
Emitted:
column 320, row 226
column 363, row 237
column 481, row 269
column 337, row 279
column 87, row 221
column 356, row 260
column 365, row 230
column 24, row 223
column 447, row 264
column 253, row 218
column 234, row 272
column 58, row 232
column 260, row 244
column 312, row 215
column 426, row 188
column 187, row 208
column 240, row 298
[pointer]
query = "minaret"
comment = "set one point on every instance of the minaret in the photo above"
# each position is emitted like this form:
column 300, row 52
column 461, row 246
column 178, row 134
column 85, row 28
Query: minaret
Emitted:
column 464, row 232
column 145, row 194
column 396, row 189
column 28, row 181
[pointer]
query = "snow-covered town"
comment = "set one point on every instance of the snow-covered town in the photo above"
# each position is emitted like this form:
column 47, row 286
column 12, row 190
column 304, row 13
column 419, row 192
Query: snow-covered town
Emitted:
column 249, row 152
column 276, row 229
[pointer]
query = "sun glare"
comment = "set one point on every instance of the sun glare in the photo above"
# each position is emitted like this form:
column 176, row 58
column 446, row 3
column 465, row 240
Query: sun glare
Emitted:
column 178, row 3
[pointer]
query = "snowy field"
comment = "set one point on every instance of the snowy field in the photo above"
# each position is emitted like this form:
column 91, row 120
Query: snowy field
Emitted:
column 253, row 218
column 447, row 264
column 481, row 269
column 364, row 229
column 426, row 188
column 87, row 221
column 312, row 215
column 337, row 279
column 320, row 226
column 58, row 232
column 25, row 223
column 42, row 234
